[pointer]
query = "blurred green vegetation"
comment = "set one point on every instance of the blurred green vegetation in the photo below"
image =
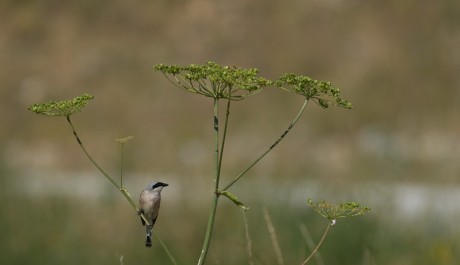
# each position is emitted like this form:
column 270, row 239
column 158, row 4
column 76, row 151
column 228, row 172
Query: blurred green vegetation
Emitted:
column 62, row 230
column 396, row 61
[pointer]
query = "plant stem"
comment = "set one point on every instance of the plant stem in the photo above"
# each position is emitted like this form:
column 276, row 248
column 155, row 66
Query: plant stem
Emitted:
column 122, row 190
column 121, row 166
column 215, row 199
column 319, row 244
column 171, row 257
column 207, row 239
column 270, row 148
column 224, row 136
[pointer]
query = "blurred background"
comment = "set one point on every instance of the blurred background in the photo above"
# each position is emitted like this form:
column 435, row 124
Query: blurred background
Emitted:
column 397, row 151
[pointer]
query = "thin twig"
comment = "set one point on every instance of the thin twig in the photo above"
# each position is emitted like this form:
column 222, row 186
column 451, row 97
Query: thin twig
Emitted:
column 121, row 166
column 224, row 136
column 319, row 244
column 171, row 257
column 272, row 232
column 270, row 148
column 311, row 245
column 122, row 190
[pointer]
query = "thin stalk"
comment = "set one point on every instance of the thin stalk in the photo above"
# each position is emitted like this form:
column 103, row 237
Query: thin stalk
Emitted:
column 270, row 148
column 274, row 239
column 310, row 244
column 171, row 257
column 121, row 166
column 210, row 227
column 122, row 190
column 218, row 155
column 319, row 244
column 224, row 136
column 248, row 240
column 215, row 198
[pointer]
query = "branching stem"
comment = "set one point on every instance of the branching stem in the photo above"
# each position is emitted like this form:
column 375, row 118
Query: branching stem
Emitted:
column 119, row 187
column 122, row 190
column 270, row 148
column 218, row 155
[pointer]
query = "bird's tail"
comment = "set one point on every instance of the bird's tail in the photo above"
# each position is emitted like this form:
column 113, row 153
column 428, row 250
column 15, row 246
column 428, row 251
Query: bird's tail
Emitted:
column 148, row 232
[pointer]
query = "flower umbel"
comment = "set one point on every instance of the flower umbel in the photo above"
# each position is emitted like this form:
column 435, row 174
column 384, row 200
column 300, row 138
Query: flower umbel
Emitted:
column 63, row 108
column 124, row 140
column 342, row 210
column 214, row 80
column 322, row 92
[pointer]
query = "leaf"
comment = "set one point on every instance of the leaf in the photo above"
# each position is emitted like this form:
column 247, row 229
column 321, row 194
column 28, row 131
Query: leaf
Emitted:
column 234, row 199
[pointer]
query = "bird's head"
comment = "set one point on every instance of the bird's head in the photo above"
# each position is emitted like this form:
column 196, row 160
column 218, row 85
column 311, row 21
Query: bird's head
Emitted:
column 156, row 186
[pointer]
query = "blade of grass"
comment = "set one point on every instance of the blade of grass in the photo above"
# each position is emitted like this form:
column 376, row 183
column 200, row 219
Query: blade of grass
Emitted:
column 274, row 239
column 248, row 240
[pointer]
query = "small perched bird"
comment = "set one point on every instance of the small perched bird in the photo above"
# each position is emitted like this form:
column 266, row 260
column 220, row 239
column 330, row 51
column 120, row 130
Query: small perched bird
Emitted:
column 149, row 206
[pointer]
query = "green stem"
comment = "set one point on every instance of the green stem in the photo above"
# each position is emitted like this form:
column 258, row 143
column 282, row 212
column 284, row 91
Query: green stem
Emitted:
column 216, row 145
column 271, row 147
column 121, row 167
column 215, row 199
column 122, row 190
column 319, row 244
column 171, row 257
column 210, row 227
column 224, row 136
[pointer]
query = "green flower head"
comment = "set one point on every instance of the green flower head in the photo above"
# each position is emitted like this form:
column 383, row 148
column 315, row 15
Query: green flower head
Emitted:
column 334, row 212
column 214, row 80
column 322, row 92
column 63, row 108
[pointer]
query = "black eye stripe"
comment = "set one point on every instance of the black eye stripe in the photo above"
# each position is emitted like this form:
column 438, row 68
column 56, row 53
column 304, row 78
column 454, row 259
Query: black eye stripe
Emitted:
column 159, row 184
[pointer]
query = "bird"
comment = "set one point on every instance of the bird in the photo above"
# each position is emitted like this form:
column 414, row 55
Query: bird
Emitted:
column 149, row 206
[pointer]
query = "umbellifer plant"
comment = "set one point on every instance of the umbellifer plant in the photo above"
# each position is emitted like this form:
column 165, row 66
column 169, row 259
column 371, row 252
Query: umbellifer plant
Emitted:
column 227, row 84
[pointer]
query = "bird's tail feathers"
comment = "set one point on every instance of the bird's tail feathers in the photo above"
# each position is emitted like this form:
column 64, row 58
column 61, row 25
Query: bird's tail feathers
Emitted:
column 148, row 241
